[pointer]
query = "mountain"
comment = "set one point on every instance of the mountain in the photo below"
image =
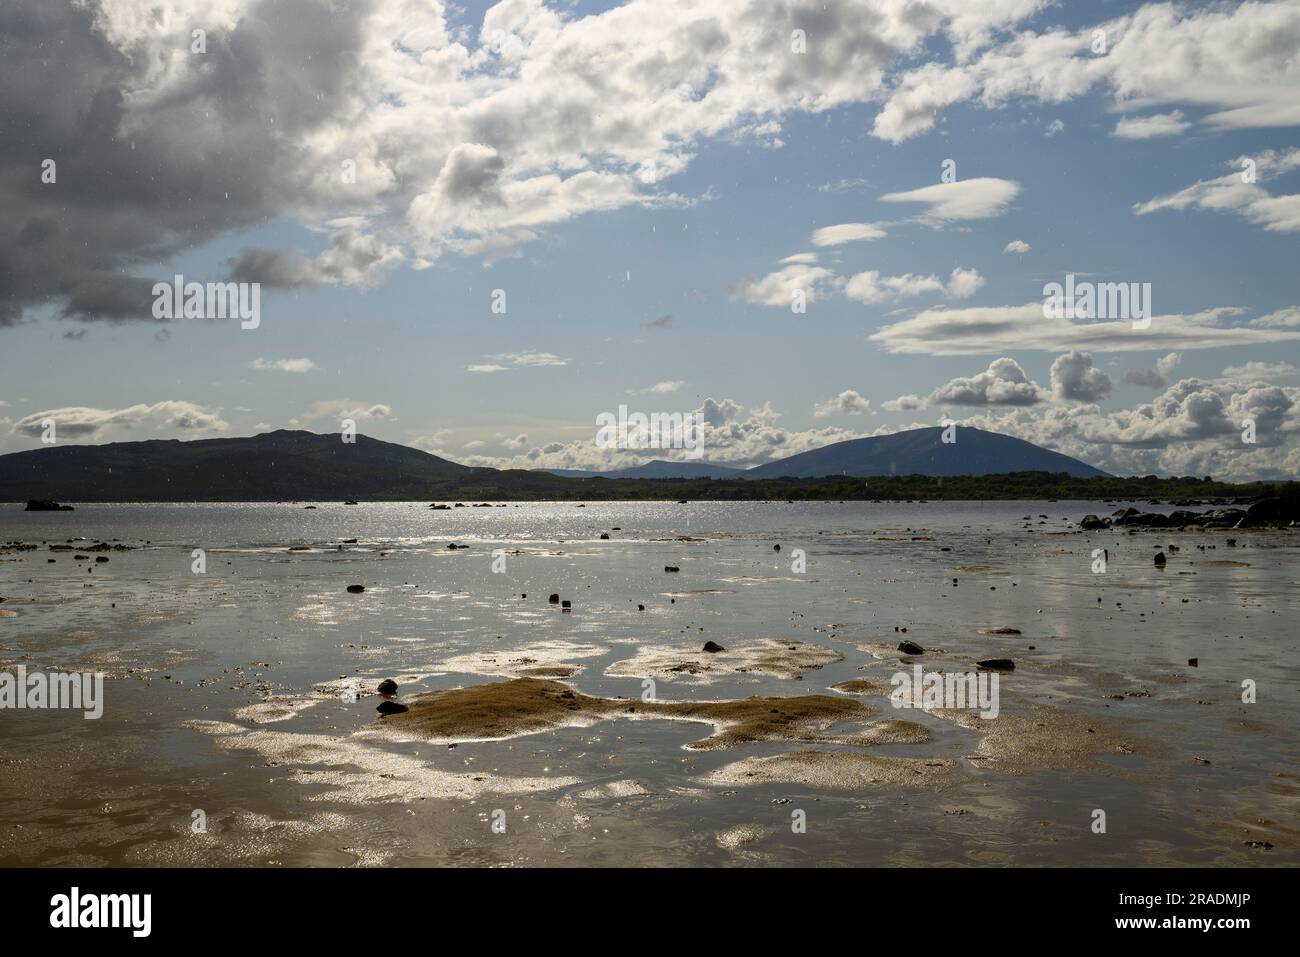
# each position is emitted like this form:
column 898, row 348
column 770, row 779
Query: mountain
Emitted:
column 658, row 469
column 274, row 466
column 922, row 452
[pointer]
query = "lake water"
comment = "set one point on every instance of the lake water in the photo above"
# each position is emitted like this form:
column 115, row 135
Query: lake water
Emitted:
column 227, row 687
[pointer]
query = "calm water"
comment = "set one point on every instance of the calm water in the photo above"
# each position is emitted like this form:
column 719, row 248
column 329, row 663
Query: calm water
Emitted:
column 217, row 698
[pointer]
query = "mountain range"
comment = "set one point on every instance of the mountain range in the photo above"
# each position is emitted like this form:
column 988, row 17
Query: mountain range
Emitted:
column 306, row 466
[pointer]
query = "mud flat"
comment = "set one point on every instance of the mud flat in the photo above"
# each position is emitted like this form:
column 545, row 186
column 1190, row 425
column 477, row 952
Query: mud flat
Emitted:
column 507, row 709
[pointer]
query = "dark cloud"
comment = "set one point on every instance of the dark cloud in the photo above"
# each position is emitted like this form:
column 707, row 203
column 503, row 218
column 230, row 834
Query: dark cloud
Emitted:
column 141, row 175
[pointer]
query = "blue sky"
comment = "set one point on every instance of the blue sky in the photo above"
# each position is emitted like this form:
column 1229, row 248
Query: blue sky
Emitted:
column 399, row 336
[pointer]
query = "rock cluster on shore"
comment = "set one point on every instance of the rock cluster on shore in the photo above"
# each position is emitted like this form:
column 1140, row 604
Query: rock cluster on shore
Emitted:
column 1266, row 513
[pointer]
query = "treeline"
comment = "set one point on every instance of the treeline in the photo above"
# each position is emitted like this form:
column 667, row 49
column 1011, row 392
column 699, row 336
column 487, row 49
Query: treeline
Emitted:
column 1011, row 486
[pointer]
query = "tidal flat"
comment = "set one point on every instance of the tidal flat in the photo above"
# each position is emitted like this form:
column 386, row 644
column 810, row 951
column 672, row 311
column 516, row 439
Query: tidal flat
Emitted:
column 242, row 682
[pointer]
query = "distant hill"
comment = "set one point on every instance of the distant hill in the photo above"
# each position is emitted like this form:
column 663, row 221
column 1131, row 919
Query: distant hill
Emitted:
column 275, row 466
column 296, row 466
column 922, row 452
column 658, row 469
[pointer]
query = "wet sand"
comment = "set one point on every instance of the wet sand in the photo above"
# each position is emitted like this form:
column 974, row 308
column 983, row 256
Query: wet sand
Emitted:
column 249, row 693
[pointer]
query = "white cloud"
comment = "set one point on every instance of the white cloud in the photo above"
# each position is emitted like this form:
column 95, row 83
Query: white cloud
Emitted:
column 1003, row 383
column 1233, row 193
column 779, row 288
column 1281, row 319
column 282, row 365
column 981, row 330
column 1149, row 127
column 161, row 419
column 1237, row 60
column 1261, row 370
column 980, row 198
column 1017, row 246
column 1054, row 128
column 963, row 283
column 871, row 287
column 336, row 410
column 666, row 387
column 846, row 233
column 847, row 402
column 505, row 361
column 1075, row 379
column 905, row 403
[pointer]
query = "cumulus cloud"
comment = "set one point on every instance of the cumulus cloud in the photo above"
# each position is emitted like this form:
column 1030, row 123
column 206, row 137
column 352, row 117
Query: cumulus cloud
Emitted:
column 846, row 233
column 666, row 387
column 1075, row 379
column 1156, row 378
column 421, row 133
column 1054, row 128
column 1003, row 383
column 1017, row 246
column 980, row 198
column 848, row 402
column 780, row 288
column 871, row 287
column 905, row 403
column 161, row 419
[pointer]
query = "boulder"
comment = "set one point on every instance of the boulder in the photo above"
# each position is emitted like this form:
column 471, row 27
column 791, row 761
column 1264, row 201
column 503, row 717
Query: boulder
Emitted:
column 391, row 707
column 713, row 647
column 910, row 648
column 1090, row 523
column 356, row 589
column 387, row 686
column 1276, row 510
column 46, row 505
column 1160, row 559
column 997, row 664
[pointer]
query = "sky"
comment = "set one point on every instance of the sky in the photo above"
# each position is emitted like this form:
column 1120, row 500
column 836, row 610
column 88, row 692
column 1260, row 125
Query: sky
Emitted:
column 476, row 228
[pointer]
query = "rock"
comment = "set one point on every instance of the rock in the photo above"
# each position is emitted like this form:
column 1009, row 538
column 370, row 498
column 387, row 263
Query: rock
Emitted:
column 1090, row 523
column 776, row 548
column 712, row 647
column 997, row 664
column 349, row 503
column 604, row 536
column 356, row 589
column 566, row 605
column 1194, row 662
column 387, row 686
column 1160, row 559
column 46, row 505
column 910, row 648
column 640, row 607
column 671, row 568
column 101, row 558
column 1272, row 510
column 554, row 599
column 391, row 707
